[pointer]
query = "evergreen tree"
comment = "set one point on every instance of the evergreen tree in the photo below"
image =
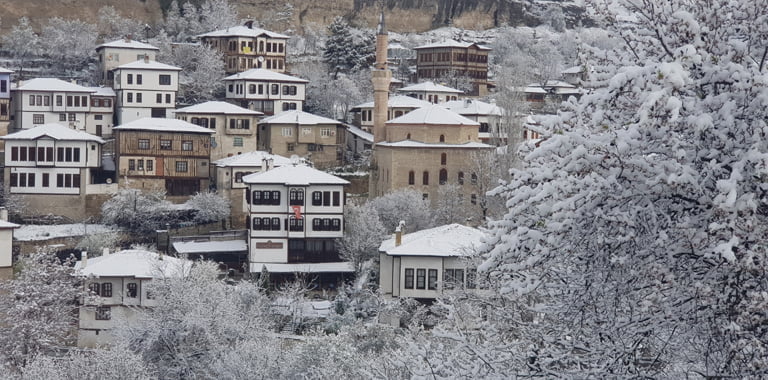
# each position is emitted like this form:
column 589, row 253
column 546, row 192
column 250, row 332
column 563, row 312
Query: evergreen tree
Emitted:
column 346, row 52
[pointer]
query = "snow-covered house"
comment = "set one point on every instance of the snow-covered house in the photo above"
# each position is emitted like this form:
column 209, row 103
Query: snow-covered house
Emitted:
column 398, row 105
column 431, row 92
column 163, row 154
column 117, row 285
column 295, row 215
column 99, row 121
column 487, row 114
column 229, row 178
column 119, row 52
column 318, row 139
column 49, row 100
column 6, row 240
column 5, row 102
column 574, row 75
column 145, row 88
column 425, row 264
column 555, row 90
column 358, row 140
column 53, row 167
column 234, row 127
column 444, row 59
column 246, row 47
column 266, row 91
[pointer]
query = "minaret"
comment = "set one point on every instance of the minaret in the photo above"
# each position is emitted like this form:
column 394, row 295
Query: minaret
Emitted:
column 381, row 77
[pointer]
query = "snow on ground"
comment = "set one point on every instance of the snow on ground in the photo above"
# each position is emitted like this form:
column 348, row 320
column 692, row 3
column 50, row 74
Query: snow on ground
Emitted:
column 36, row 232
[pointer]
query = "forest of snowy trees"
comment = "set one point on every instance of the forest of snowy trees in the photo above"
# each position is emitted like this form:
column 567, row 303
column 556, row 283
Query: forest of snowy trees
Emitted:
column 629, row 244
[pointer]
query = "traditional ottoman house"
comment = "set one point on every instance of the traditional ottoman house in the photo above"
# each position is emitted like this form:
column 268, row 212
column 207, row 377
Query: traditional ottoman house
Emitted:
column 5, row 102
column 431, row 92
column 49, row 100
column 117, row 286
column 266, row 91
column 429, row 263
column 487, row 114
column 235, row 127
column 163, row 154
column 120, row 52
column 145, row 88
column 229, row 178
column 397, row 106
column 295, row 215
column 53, row 168
column 444, row 59
column 318, row 139
column 99, row 121
column 246, row 47
column 6, row 242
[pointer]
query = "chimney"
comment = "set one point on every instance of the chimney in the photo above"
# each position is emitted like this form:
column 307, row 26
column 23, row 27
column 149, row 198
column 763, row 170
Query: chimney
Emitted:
column 128, row 38
column 3, row 214
column 398, row 236
column 83, row 259
column 146, row 58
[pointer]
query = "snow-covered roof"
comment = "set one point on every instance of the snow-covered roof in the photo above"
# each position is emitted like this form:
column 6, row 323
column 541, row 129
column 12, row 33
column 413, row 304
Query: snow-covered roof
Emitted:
column 399, row 101
column 573, row 70
column 6, row 225
column 294, row 175
column 298, row 117
column 127, row 44
column 218, row 107
column 5, row 71
column 430, row 87
column 223, row 246
column 162, row 125
column 134, row 263
column 432, row 115
column 419, row 144
column 360, row 133
column 443, row 241
column 103, row 91
column 451, row 43
column 242, row 31
column 143, row 64
column 265, row 75
column 51, row 84
column 252, row 159
column 340, row 267
column 54, row 131
column 30, row 232
column 472, row 107
column 534, row 90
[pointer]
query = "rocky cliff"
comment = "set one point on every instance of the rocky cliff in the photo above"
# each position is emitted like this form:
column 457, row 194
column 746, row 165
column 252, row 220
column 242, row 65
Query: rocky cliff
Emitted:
column 297, row 15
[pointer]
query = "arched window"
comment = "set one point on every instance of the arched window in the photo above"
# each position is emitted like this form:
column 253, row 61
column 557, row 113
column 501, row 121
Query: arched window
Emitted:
column 443, row 176
column 461, row 178
column 411, row 178
column 473, row 178
column 398, row 113
column 408, row 137
column 425, row 178
column 443, row 158
column 442, row 138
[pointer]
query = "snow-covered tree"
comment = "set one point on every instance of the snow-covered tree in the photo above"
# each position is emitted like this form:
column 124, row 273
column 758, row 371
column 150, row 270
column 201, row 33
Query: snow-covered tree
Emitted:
column 37, row 309
column 202, row 68
column 346, row 52
column 209, row 206
column 23, row 44
column 638, row 232
column 403, row 205
column 137, row 211
column 94, row 244
column 451, row 206
column 69, row 45
column 112, row 363
column 363, row 233
column 217, row 14
column 112, row 25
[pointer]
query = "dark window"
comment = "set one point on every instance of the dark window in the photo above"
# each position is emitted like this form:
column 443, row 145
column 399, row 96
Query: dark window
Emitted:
column 186, row 145
column 443, row 158
column 326, row 198
column 132, row 290
column 317, row 198
column 38, row 118
column 297, row 197
column 471, row 278
column 421, row 277
column 46, row 180
column 165, row 79
column 138, row 97
column 411, row 178
column 165, row 144
column 15, row 153
column 473, row 178
column 143, row 143
column 129, row 97
column 168, row 98
column 336, row 224
column 443, row 176
column 159, row 98
column 408, row 278
column 336, row 198
column 138, row 79
column 425, row 178
column 256, row 225
column 461, row 178
column 276, row 224
column 182, row 166
column 95, row 288
column 432, row 279
column 103, row 313
column 14, row 179
column 131, row 164
column 442, row 139
column 129, row 78
column 106, row 289
column 275, row 89
column 296, row 224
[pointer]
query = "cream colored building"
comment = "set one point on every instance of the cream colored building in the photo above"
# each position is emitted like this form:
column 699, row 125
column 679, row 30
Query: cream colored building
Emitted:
column 235, row 127
column 317, row 139
column 119, row 52
column 397, row 106
column 487, row 114
column 145, row 88
column 431, row 92
column 246, row 47
column 266, row 91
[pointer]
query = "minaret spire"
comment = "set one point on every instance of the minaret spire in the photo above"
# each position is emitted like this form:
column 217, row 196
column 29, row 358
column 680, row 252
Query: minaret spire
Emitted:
column 381, row 77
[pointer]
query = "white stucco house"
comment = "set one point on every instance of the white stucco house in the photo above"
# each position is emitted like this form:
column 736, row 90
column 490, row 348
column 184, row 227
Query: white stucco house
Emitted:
column 6, row 239
column 397, row 105
column 145, row 88
column 425, row 264
column 489, row 115
column 234, row 127
column 266, row 91
column 431, row 92
column 117, row 285
column 119, row 52
column 49, row 100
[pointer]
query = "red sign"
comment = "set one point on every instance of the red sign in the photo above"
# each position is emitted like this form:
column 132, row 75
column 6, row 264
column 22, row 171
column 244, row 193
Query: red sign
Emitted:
column 296, row 211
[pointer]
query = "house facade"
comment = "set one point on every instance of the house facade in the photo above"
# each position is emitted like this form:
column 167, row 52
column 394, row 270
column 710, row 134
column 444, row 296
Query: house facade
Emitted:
column 163, row 154
column 315, row 138
column 295, row 215
column 246, row 47
column 6, row 243
column 489, row 115
column 431, row 92
column 120, row 52
column 397, row 106
column 429, row 263
column 145, row 88
column 450, row 58
column 5, row 103
column 266, row 91
column 49, row 100
column 117, row 288
column 100, row 120
column 53, row 168
column 234, row 127
column 229, row 178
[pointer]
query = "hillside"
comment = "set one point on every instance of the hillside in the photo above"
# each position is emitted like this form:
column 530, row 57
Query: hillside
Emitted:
column 402, row 15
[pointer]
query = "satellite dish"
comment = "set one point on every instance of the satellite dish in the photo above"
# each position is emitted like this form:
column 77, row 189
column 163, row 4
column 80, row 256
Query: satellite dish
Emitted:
column 295, row 160
column 260, row 59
